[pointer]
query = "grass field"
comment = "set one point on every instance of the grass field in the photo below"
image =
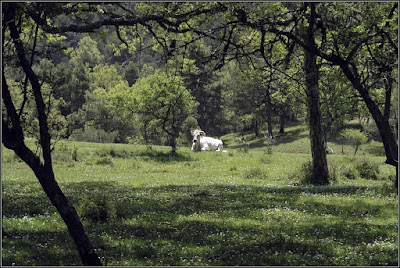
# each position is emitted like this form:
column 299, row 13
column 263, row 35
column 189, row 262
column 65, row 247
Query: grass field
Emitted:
column 144, row 206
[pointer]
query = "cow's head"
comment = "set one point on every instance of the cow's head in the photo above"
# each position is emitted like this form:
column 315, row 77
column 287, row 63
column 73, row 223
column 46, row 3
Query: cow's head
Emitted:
column 196, row 139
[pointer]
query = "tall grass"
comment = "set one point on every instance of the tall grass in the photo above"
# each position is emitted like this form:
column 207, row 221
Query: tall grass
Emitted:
column 150, row 207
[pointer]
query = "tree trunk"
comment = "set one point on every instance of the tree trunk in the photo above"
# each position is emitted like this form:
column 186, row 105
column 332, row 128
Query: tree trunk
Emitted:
column 269, row 114
column 387, row 136
column 320, row 174
column 13, row 138
column 68, row 214
column 256, row 129
column 282, row 123
column 173, row 145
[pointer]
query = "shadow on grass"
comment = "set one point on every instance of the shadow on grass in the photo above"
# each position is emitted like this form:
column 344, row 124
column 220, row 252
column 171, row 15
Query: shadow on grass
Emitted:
column 38, row 248
column 165, row 156
column 375, row 150
column 291, row 136
column 217, row 225
column 280, row 138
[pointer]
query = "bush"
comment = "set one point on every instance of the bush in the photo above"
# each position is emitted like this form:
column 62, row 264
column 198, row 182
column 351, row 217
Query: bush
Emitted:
column 98, row 209
column 269, row 150
column 334, row 171
column 91, row 134
column 113, row 152
column 105, row 160
column 305, row 172
column 62, row 154
column 367, row 169
column 74, row 153
column 349, row 172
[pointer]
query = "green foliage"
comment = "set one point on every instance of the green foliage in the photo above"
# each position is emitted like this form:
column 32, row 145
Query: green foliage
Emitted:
column 92, row 134
column 114, row 152
column 104, row 160
column 185, row 138
column 105, row 77
column 367, row 169
column 349, row 172
column 97, row 209
column 269, row 149
column 130, row 73
column 70, row 84
column 370, row 129
column 355, row 137
column 161, row 101
column 104, row 103
column 56, row 121
column 86, row 53
column 74, row 153
column 305, row 172
column 337, row 102
column 97, row 113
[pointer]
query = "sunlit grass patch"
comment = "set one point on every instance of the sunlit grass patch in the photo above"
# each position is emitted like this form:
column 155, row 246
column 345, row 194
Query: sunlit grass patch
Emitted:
column 202, row 208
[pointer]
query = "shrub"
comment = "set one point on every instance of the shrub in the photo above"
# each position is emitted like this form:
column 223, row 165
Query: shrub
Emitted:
column 74, row 153
column 91, row 134
column 334, row 171
column 268, row 150
column 349, row 172
column 367, row 169
column 305, row 172
column 245, row 148
column 113, row 152
column 62, row 147
column 98, row 209
column 105, row 160
column 62, row 154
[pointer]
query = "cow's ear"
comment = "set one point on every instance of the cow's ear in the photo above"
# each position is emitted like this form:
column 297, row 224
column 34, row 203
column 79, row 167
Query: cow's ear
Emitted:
column 192, row 132
column 202, row 133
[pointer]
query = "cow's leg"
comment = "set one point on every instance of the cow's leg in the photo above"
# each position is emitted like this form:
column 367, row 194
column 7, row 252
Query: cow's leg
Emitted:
column 219, row 148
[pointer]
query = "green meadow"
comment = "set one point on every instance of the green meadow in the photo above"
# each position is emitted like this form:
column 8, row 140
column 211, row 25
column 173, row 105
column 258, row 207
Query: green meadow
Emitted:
column 141, row 205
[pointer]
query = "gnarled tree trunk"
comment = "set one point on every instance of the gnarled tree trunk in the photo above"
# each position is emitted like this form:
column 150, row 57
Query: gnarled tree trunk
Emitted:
column 320, row 174
column 13, row 138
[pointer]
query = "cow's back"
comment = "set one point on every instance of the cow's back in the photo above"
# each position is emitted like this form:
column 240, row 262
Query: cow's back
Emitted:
column 210, row 143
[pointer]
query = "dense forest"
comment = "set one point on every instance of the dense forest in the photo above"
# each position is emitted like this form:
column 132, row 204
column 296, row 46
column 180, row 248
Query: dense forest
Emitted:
column 148, row 73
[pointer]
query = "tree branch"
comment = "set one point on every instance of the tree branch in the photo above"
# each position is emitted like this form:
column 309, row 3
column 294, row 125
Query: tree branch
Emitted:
column 42, row 116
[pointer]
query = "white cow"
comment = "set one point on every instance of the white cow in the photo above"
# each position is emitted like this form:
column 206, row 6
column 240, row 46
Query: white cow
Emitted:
column 202, row 143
